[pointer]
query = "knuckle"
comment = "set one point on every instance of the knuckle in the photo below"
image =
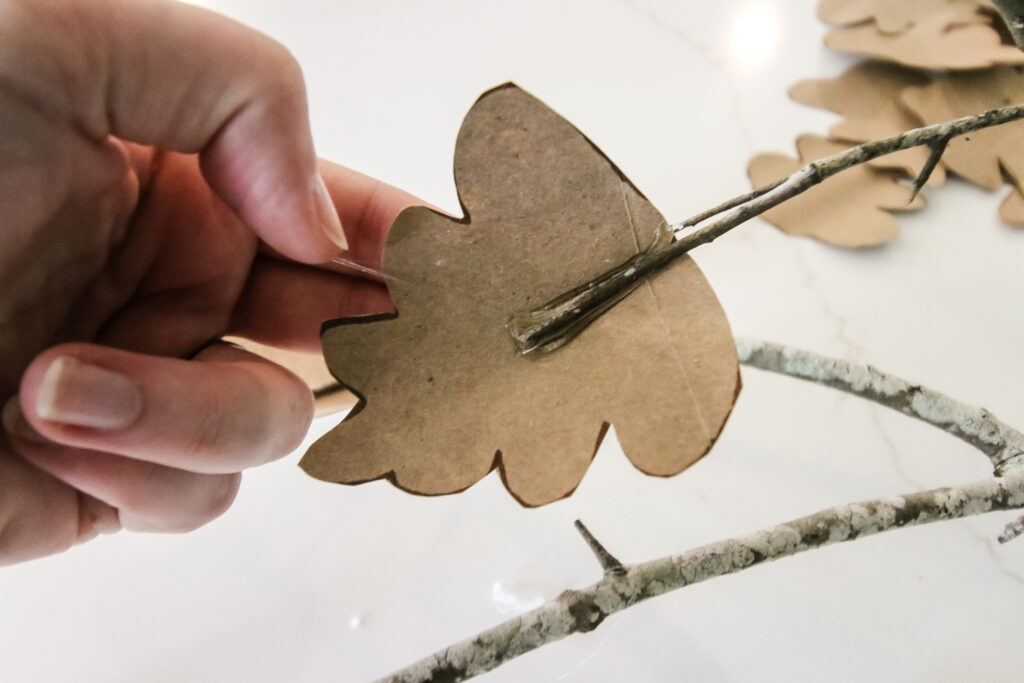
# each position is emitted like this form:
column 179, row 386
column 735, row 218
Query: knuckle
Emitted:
column 283, row 74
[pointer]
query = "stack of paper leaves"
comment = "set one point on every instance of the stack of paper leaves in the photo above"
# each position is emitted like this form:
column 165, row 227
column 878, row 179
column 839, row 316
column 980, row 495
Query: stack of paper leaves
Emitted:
column 928, row 34
column 444, row 396
column 877, row 99
column 984, row 157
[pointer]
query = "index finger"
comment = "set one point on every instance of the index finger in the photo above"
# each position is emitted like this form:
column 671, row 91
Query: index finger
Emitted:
column 186, row 79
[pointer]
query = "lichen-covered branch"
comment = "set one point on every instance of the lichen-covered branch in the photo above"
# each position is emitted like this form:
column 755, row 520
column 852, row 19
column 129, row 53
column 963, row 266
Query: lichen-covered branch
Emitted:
column 1003, row 444
column 579, row 611
column 554, row 323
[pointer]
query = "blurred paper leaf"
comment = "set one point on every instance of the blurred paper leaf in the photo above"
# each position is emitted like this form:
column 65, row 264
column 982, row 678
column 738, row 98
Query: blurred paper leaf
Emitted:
column 953, row 35
column 850, row 209
column 897, row 16
column 867, row 95
column 981, row 156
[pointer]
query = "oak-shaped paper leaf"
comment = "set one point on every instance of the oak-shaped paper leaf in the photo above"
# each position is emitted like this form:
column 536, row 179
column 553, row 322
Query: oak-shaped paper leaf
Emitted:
column 445, row 398
column 867, row 95
column 850, row 209
column 897, row 16
column 942, row 40
column 982, row 155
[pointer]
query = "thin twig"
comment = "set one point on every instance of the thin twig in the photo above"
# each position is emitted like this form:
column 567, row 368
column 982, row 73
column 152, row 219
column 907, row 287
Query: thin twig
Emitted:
column 608, row 562
column 1003, row 444
column 579, row 611
column 556, row 322
column 726, row 205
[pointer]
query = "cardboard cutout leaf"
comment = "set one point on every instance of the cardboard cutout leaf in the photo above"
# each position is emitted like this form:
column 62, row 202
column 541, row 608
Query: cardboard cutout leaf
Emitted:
column 936, row 41
column 896, row 16
column 868, row 96
column 446, row 399
column 848, row 209
column 979, row 156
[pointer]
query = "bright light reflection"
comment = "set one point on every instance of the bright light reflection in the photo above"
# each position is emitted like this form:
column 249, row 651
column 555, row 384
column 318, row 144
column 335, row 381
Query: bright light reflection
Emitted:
column 754, row 34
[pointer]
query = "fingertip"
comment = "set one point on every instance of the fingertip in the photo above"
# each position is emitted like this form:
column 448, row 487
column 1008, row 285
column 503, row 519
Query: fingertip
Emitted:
column 263, row 165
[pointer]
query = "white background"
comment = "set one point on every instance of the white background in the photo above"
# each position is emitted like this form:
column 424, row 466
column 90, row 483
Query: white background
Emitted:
column 306, row 581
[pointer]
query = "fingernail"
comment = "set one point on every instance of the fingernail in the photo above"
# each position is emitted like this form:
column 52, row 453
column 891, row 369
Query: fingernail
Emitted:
column 326, row 213
column 16, row 425
column 84, row 395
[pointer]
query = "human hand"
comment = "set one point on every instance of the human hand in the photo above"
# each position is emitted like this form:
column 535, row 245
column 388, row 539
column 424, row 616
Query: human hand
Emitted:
column 158, row 189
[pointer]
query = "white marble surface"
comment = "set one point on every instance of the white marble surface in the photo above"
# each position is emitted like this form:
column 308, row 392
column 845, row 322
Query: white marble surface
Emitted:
column 304, row 581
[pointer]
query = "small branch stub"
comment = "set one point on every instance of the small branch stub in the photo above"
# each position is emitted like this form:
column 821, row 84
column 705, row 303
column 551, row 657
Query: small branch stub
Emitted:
column 610, row 565
column 937, row 149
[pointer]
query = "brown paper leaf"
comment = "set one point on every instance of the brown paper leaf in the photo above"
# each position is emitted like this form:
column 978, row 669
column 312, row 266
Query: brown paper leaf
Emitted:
column 868, row 96
column 446, row 399
column 980, row 155
column 1011, row 211
column 936, row 41
column 848, row 209
column 896, row 16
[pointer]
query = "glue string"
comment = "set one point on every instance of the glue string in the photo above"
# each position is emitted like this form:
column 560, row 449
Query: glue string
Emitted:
column 348, row 266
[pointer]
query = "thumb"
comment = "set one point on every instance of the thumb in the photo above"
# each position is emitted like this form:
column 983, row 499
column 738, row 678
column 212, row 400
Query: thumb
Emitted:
column 186, row 79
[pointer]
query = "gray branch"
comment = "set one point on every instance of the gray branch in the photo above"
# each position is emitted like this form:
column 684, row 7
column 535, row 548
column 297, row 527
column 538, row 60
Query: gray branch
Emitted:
column 1003, row 444
column 556, row 322
column 580, row 611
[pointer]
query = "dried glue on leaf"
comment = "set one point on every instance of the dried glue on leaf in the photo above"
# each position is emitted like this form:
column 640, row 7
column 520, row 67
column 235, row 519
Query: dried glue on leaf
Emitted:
column 555, row 323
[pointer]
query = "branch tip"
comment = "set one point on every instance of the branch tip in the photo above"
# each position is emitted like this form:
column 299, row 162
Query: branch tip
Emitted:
column 608, row 562
column 937, row 148
column 1012, row 530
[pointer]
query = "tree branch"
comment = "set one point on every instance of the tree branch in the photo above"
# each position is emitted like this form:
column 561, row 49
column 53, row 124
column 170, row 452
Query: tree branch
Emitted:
column 555, row 323
column 1003, row 444
column 579, row 611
